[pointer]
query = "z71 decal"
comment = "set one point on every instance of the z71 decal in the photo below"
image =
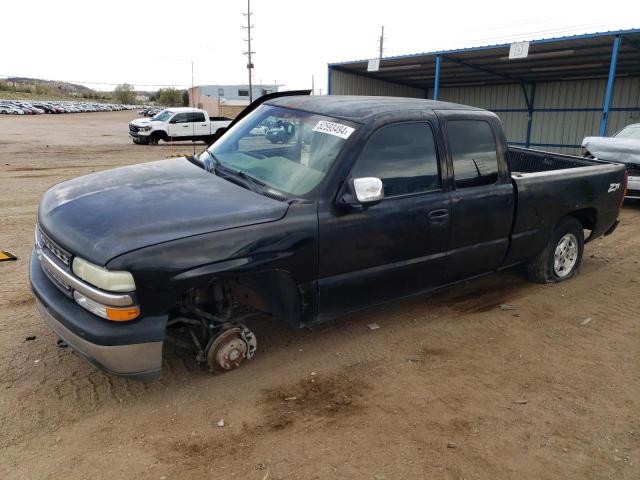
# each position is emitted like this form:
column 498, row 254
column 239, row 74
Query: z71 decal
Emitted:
column 614, row 187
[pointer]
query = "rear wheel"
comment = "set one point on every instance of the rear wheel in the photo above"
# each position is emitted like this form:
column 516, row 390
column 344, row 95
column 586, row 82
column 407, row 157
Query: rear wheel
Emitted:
column 560, row 259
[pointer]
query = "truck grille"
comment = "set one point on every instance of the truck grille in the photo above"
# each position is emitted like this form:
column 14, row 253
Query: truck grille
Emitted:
column 60, row 253
column 133, row 128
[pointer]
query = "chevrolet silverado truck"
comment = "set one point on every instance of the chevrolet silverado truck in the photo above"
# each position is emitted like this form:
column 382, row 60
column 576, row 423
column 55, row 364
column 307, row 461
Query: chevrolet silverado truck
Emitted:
column 177, row 125
column 370, row 200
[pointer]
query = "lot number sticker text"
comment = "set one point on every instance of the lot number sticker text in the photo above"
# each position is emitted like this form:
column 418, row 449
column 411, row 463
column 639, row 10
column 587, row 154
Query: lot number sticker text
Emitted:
column 336, row 129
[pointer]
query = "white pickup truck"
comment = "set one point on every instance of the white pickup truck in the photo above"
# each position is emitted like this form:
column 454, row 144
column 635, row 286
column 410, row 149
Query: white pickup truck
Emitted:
column 177, row 124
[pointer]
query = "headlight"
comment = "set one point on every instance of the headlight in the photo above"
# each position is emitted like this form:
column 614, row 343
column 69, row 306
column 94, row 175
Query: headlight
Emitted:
column 145, row 129
column 109, row 280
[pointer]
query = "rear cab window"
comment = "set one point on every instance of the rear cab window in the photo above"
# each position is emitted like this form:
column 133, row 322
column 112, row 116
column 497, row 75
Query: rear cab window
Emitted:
column 403, row 156
column 473, row 153
column 196, row 117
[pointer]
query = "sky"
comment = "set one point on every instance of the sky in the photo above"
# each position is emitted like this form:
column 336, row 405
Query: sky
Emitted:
column 152, row 43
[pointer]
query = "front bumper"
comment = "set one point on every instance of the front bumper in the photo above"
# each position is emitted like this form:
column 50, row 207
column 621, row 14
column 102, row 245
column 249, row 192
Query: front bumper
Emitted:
column 139, row 135
column 131, row 349
column 633, row 187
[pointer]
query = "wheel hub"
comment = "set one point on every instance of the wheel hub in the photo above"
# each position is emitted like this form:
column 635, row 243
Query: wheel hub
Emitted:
column 230, row 349
column 565, row 255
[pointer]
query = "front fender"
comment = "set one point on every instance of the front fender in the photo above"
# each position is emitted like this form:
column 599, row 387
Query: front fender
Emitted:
column 274, row 258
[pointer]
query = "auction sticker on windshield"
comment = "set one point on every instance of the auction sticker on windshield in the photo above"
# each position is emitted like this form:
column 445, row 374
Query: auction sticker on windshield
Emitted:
column 332, row 128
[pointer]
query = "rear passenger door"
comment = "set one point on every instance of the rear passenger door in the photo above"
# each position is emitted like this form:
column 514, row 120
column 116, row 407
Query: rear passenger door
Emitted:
column 482, row 200
column 396, row 247
column 200, row 124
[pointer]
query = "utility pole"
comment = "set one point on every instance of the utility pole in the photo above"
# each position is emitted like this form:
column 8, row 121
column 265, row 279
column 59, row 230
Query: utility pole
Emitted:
column 313, row 88
column 381, row 42
column 248, row 53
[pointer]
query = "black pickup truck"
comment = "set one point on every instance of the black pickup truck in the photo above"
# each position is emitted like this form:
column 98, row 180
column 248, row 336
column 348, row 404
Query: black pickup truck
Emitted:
column 369, row 200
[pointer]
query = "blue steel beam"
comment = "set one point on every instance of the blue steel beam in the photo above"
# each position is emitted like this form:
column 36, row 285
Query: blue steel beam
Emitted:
column 609, row 91
column 436, row 83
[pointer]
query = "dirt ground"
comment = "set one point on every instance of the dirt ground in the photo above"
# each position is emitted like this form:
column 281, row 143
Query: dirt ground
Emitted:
column 451, row 386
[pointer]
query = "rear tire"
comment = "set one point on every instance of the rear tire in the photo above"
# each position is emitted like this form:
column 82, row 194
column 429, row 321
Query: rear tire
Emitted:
column 560, row 259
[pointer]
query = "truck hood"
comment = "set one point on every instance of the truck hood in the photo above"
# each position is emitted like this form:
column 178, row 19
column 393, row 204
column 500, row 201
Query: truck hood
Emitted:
column 103, row 215
column 141, row 122
column 623, row 150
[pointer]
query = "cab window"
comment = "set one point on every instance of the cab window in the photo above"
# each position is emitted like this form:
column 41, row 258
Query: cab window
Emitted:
column 180, row 118
column 403, row 156
column 473, row 151
column 196, row 117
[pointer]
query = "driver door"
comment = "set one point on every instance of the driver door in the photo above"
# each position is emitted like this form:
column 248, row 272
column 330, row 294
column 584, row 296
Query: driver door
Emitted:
column 179, row 126
column 396, row 247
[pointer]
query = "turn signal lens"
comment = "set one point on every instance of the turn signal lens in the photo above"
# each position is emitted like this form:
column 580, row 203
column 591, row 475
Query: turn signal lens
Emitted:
column 110, row 313
column 122, row 314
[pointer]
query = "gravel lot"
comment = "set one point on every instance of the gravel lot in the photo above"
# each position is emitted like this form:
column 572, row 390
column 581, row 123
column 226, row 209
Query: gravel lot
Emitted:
column 450, row 387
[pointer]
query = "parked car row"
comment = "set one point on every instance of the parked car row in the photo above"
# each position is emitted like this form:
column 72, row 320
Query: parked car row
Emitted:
column 23, row 107
column 150, row 112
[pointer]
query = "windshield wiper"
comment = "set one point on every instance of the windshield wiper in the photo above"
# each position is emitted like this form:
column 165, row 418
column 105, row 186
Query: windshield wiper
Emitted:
column 247, row 180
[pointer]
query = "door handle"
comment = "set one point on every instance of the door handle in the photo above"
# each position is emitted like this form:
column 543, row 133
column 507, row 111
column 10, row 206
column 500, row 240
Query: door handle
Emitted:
column 204, row 124
column 185, row 126
column 438, row 217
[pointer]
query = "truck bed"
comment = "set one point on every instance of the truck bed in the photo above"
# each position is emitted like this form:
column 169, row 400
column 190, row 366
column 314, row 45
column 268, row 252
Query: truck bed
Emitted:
column 548, row 185
column 525, row 160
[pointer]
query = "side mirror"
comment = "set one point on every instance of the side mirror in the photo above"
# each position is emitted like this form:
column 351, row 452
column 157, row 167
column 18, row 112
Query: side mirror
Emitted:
column 368, row 189
column 359, row 192
column 173, row 120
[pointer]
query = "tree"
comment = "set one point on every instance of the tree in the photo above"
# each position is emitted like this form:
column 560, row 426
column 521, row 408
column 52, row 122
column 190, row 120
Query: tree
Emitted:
column 169, row 97
column 125, row 94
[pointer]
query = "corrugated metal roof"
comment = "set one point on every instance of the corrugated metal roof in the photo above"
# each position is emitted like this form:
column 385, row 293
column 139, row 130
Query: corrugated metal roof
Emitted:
column 562, row 58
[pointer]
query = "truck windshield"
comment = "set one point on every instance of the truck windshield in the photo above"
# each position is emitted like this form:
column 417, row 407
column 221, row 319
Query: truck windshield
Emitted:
column 288, row 150
column 163, row 116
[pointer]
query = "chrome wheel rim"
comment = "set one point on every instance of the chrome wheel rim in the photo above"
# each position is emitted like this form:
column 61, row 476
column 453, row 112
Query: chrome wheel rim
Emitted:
column 566, row 255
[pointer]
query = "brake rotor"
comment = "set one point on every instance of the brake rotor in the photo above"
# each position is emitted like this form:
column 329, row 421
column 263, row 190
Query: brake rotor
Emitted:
column 230, row 349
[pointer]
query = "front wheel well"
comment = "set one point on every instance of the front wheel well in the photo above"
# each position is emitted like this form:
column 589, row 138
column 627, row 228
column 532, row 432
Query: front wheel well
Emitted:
column 159, row 135
column 273, row 292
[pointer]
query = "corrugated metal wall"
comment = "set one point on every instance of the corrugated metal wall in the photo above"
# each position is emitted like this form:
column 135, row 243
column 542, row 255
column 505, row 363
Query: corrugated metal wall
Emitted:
column 343, row 83
column 567, row 127
column 494, row 97
column 626, row 93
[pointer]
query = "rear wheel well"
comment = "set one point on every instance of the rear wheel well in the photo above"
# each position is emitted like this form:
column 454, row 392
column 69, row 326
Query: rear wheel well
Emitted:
column 588, row 217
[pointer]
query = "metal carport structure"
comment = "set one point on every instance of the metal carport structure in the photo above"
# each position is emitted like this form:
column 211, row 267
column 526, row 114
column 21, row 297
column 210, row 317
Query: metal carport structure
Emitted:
column 566, row 87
